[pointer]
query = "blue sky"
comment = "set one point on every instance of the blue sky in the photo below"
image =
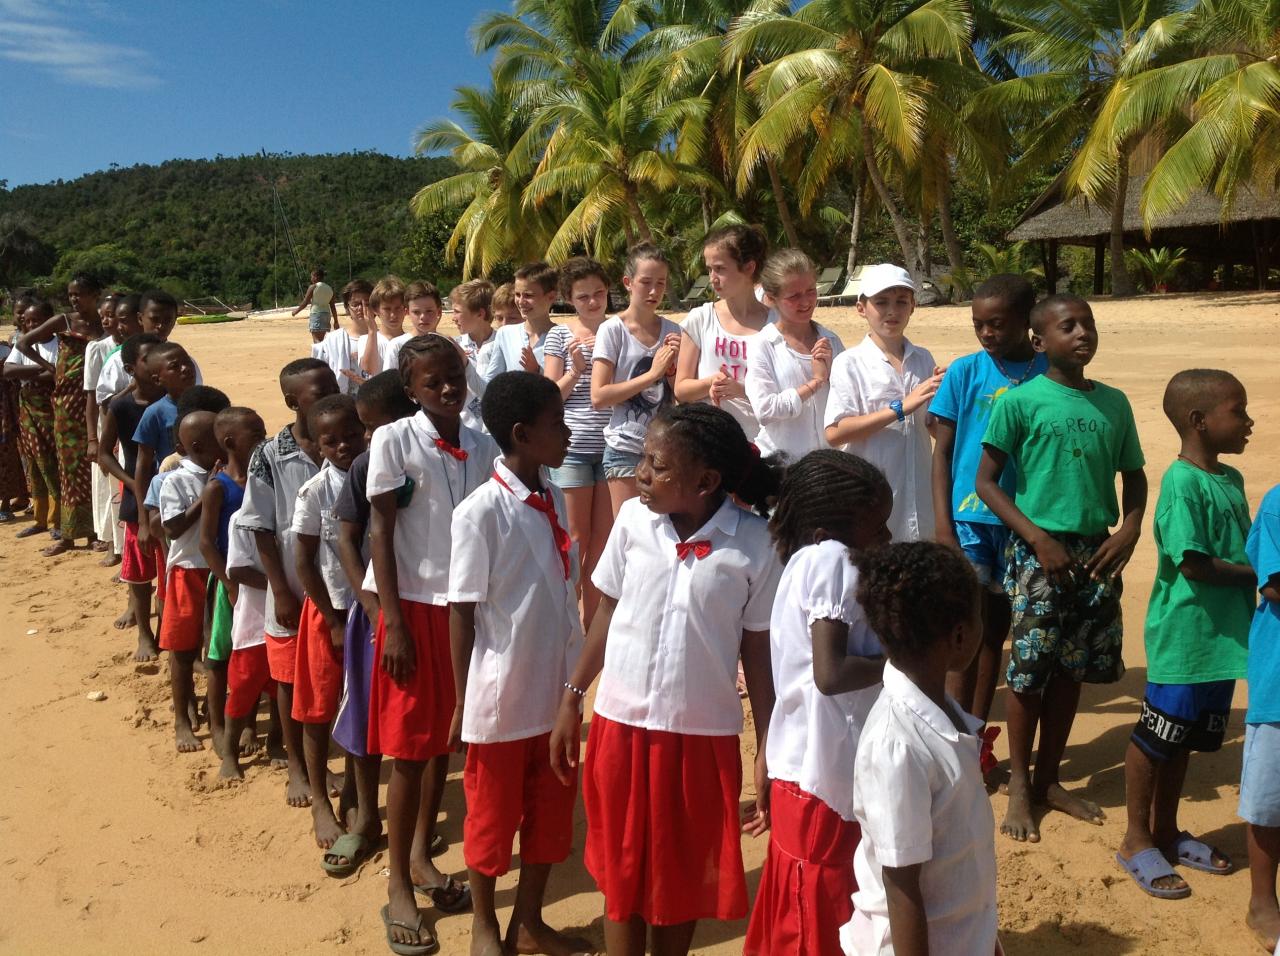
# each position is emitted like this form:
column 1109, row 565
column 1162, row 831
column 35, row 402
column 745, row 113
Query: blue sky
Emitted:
column 88, row 83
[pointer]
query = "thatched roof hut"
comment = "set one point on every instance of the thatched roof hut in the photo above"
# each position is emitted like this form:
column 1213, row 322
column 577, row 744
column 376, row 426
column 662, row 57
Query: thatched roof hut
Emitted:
column 1250, row 236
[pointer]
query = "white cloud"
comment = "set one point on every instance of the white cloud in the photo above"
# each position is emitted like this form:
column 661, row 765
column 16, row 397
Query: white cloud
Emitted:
column 35, row 32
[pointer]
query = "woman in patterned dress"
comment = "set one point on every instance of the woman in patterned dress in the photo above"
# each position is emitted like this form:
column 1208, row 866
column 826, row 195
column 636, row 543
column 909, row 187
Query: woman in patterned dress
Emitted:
column 13, row 478
column 35, row 420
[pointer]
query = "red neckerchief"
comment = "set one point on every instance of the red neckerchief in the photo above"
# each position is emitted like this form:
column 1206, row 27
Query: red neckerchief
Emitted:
column 453, row 450
column 542, row 502
column 699, row 549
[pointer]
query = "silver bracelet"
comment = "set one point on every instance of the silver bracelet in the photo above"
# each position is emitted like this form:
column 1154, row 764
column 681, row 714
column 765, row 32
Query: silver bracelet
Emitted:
column 577, row 690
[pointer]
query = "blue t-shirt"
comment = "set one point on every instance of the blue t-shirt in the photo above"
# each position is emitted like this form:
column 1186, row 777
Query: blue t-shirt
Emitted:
column 1263, row 549
column 155, row 430
column 970, row 389
column 232, row 498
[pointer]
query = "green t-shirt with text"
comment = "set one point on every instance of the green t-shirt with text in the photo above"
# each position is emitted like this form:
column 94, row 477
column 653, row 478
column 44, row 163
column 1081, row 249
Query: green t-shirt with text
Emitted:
column 1197, row 631
column 1068, row 445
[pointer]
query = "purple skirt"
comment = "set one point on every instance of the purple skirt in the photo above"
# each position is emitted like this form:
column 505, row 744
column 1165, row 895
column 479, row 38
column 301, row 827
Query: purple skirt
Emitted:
column 351, row 726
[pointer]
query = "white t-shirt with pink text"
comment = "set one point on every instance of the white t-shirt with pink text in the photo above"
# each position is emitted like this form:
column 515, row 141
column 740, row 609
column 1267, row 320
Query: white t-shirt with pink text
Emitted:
column 718, row 347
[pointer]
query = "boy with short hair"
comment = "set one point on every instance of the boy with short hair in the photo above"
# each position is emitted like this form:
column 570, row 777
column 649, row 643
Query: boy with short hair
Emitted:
column 339, row 436
column 515, row 636
column 1067, row 435
column 171, row 371
column 520, row 347
column 187, row 573
column 504, row 305
column 473, row 317
column 157, row 313
column 1197, row 627
column 973, row 385
column 340, row 349
column 278, row 469
column 95, row 356
column 387, row 300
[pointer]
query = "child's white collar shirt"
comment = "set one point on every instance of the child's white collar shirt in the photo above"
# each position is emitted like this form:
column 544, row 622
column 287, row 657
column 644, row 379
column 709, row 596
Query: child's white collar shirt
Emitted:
column 388, row 351
column 339, row 350
column 249, row 616
column 863, row 381
column 671, row 659
column 788, row 423
column 180, row 489
column 813, row 737
column 528, row 629
column 919, row 798
column 405, row 451
column 313, row 515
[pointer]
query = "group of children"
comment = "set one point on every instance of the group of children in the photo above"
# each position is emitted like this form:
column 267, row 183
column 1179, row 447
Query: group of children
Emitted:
column 454, row 539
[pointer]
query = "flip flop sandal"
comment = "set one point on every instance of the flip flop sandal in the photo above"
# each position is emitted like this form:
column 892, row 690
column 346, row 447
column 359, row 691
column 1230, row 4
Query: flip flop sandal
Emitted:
column 350, row 848
column 453, row 897
column 55, row 534
column 1147, row 867
column 417, row 929
column 30, row 532
column 1198, row 855
column 7, row 516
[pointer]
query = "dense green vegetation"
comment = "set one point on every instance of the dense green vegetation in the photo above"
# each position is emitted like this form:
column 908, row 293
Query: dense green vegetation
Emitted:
column 209, row 227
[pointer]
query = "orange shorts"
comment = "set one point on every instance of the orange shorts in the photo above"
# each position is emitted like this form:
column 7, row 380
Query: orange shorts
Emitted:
column 511, row 787
column 282, row 656
column 410, row 721
column 317, row 675
column 248, row 678
column 182, row 627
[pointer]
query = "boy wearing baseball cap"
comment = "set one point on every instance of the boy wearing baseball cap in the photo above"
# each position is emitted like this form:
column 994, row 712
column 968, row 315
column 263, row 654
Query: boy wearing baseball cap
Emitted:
column 880, row 392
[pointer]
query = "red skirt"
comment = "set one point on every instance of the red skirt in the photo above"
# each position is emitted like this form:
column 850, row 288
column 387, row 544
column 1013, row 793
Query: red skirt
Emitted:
column 664, row 839
column 807, row 883
column 410, row 721
column 182, row 627
column 317, row 674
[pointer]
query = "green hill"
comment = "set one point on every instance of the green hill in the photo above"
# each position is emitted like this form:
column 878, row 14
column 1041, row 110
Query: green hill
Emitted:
column 210, row 227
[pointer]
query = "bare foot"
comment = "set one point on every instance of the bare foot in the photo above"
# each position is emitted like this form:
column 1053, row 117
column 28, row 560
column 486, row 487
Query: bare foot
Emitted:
column 336, row 781
column 1019, row 822
column 125, row 621
column 230, row 769
column 298, row 792
column 147, row 648
column 276, row 757
column 1264, row 920
column 325, row 824
column 110, row 561
column 193, row 714
column 248, row 742
column 1057, row 798
column 186, row 739
column 541, row 938
column 486, row 940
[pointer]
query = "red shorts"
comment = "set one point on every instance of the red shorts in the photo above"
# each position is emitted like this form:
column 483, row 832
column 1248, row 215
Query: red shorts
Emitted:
column 410, row 721
column 317, row 675
column 663, row 834
column 136, row 565
column 510, row 786
column 248, row 678
column 182, row 626
column 807, row 881
column 282, row 656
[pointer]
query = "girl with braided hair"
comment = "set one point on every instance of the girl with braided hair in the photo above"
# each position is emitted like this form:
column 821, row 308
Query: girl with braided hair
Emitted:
column 687, row 581
column 826, row 664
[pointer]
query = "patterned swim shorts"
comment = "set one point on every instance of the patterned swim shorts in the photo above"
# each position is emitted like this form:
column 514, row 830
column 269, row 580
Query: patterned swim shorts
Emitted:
column 1073, row 628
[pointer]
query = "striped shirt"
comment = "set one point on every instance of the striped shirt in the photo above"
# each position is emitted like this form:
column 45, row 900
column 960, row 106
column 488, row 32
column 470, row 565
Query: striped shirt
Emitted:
column 586, row 423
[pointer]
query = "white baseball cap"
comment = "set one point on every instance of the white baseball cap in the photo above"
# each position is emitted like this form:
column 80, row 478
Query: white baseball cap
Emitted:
column 884, row 275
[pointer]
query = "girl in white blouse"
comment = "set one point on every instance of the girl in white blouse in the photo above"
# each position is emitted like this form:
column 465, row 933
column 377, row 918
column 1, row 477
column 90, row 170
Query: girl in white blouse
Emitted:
column 826, row 675
column 687, row 581
column 790, row 364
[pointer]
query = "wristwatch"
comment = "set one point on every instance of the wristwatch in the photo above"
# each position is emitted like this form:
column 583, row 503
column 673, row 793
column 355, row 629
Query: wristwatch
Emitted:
column 896, row 405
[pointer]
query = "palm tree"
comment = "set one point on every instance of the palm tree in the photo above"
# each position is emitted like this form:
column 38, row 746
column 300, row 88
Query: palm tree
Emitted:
column 865, row 76
column 1090, row 94
column 497, row 156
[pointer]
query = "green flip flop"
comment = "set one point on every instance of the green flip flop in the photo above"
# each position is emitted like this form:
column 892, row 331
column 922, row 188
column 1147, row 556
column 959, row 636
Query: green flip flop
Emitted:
column 352, row 848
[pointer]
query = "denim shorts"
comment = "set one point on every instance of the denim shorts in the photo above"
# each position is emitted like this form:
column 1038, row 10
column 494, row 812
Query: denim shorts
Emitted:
column 318, row 321
column 578, row 471
column 620, row 464
column 983, row 544
column 1260, row 776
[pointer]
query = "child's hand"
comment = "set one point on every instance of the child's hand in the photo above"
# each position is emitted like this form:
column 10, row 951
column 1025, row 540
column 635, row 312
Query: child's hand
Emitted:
column 1112, row 555
column 577, row 361
column 91, row 450
column 725, row 387
column 664, row 360
column 369, row 601
column 756, row 820
column 399, row 659
column 1054, row 558
column 821, row 353
column 529, row 361
column 337, row 631
column 287, row 609
column 455, row 743
column 565, row 739
column 921, row 394
column 144, row 535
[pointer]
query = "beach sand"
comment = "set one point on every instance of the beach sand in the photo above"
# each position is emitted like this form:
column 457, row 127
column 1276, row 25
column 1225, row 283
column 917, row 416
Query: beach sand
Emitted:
column 110, row 840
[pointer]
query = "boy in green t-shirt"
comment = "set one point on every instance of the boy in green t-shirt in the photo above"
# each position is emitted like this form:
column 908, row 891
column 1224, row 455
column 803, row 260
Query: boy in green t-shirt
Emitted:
column 1198, row 623
column 1068, row 436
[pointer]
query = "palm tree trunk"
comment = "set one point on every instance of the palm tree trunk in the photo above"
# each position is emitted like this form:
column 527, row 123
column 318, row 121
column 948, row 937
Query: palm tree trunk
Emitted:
column 955, row 258
column 1121, row 282
column 637, row 214
column 899, row 221
column 855, row 222
column 706, row 210
column 779, row 197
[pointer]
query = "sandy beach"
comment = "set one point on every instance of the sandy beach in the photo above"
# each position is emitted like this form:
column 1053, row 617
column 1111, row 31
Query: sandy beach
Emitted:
column 111, row 841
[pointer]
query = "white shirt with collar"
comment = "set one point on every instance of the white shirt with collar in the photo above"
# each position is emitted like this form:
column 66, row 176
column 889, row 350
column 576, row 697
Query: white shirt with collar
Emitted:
column 113, row 379
column 182, row 488
column 775, row 373
column 813, row 737
column 388, row 353
column 249, row 616
column 919, row 797
column 671, row 660
column 313, row 515
column 528, row 629
column 863, row 381
column 340, row 351
column 404, row 451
